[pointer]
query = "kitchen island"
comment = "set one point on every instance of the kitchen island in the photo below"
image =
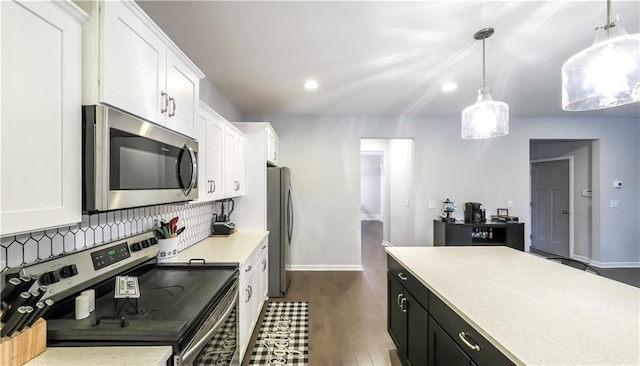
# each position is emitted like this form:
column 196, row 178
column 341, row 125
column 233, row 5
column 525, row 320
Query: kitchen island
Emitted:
column 532, row 310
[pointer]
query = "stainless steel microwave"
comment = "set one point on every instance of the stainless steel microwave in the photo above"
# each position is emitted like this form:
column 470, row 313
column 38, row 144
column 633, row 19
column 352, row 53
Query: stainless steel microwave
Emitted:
column 128, row 162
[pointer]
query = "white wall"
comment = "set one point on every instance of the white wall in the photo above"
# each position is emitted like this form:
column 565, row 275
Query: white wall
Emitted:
column 401, row 193
column 371, row 186
column 324, row 155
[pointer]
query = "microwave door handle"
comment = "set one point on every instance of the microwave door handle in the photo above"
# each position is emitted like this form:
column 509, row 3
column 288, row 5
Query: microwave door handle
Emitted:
column 194, row 170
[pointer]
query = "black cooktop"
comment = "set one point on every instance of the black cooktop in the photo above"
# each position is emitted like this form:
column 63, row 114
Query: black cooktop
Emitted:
column 174, row 300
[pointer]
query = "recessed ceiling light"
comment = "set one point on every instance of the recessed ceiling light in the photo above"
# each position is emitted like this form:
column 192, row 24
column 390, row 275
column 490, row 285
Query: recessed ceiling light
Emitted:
column 449, row 87
column 311, row 84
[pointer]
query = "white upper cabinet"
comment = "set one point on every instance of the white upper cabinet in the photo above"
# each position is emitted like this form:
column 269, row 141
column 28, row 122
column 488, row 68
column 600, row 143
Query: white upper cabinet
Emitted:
column 233, row 162
column 211, row 144
column 41, row 115
column 132, row 65
column 272, row 147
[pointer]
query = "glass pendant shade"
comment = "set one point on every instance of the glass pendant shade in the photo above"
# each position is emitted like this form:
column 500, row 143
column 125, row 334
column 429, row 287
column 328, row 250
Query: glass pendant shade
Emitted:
column 486, row 118
column 605, row 75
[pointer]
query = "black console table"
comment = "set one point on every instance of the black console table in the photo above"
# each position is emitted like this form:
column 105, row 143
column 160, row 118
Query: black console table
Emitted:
column 482, row 234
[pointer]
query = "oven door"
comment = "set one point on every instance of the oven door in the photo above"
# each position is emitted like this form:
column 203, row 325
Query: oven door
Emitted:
column 216, row 342
column 134, row 163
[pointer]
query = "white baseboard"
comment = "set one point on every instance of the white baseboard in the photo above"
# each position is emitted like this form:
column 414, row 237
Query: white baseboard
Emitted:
column 325, row 267
column 386, row 244
column 581, row 258
column 615, row 264
column 371, row 217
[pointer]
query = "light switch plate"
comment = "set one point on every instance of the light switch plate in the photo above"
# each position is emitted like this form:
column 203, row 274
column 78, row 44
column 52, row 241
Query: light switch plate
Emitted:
column 614, row 203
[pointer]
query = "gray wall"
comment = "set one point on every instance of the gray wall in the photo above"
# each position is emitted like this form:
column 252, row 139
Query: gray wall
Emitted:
column 212, row 97
column 324, row 155
column 581, row 152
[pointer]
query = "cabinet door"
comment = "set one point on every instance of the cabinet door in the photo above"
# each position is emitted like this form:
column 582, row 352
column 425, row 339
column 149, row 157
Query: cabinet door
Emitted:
column 133, row 65
column 238, row 164
column 395, row 316
column 182, row 89
column 417, row 323
column 443, row 351
column 233, row 163
column 247, row 312
column 40, row 123
column 229, row 162
column 264, row 268
column 204, row 186
column 215, row 145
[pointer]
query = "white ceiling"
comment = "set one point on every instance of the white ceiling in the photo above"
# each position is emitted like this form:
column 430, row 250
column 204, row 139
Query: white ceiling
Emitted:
column 387, row 57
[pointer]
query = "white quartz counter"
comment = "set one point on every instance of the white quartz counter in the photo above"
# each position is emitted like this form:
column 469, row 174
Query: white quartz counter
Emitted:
column 103, row 356
column 535, row 311
column 235, row 248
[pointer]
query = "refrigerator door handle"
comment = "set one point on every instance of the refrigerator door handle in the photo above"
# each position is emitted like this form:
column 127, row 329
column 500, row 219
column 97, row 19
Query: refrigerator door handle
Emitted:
column 290, row 214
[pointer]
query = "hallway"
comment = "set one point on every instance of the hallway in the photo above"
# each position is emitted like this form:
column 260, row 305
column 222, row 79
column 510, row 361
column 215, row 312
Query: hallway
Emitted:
column 347, row 309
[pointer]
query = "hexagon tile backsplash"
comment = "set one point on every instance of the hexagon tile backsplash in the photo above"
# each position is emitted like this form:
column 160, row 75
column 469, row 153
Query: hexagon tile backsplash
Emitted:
column 102, row 228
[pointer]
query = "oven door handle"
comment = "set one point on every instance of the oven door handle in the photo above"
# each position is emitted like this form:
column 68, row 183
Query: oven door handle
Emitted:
column 199, row 344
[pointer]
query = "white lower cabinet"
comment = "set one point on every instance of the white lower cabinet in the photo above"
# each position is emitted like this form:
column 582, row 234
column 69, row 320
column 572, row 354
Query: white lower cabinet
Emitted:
column 252, row 293
column 40, row 143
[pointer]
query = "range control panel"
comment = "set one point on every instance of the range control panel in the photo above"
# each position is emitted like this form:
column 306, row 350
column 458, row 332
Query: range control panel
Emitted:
column 67, row 274
column 106, row 257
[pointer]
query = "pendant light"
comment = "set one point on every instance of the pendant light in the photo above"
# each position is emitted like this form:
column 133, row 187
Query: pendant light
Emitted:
column 486, row 118
column 605, row 75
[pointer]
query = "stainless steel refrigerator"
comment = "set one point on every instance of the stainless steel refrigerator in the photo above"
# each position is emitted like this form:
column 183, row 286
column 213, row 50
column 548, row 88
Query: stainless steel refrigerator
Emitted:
column 280, row 226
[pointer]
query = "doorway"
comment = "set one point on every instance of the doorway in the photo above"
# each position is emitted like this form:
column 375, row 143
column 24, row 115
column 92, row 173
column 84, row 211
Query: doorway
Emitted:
column 386, row 195
column 563, row 173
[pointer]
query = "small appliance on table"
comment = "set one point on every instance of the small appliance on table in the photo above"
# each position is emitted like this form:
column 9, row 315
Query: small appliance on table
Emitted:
column 222, row 224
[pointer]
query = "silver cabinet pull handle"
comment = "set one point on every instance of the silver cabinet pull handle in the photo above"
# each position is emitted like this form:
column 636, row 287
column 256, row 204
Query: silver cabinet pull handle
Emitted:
column 264, row 264
column 214, row 186
column 398, row 299
column 402, row 276
column 250, row 291
column 264, row 246
column 463, row 336
column 404, row 299
column 173, row 103
column 248, row 269
column 248, row 294
column 166, row 102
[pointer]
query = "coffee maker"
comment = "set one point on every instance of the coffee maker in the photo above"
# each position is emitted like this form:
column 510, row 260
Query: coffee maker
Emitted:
column 473, row 214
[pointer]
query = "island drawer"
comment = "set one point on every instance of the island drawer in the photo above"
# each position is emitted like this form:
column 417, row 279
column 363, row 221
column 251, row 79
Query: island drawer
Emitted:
column 415, row 287
column 479, row 349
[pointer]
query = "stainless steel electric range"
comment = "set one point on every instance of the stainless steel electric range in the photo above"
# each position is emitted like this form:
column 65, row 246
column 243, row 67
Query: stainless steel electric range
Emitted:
column 190, row 306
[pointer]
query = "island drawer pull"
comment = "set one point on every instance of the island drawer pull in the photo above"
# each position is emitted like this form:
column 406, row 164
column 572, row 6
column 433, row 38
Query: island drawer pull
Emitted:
column 398, row 300
column 463, row 336
column 402, row 276
column 402, row 304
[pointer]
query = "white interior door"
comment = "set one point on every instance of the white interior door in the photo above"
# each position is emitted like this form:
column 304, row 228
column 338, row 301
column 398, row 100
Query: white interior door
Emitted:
column 550, row 206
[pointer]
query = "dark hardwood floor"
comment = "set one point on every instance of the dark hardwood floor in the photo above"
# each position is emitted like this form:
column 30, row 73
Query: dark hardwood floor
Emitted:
column 347, row 309
column 630, row 276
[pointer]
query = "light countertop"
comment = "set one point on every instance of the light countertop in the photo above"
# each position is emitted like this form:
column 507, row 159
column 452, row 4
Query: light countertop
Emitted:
column 535, row 311
column 103, row 356
column 235, row 248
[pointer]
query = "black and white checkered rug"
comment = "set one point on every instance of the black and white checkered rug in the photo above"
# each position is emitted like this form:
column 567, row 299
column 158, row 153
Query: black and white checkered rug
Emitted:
column 284, row 335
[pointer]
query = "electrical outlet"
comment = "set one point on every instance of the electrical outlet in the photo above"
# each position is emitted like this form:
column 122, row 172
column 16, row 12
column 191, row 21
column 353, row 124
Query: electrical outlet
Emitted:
column 614, row 203
column 433, row 204
column 509, row 203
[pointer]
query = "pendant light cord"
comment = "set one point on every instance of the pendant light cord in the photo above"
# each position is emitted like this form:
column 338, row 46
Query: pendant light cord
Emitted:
column 483, row 65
